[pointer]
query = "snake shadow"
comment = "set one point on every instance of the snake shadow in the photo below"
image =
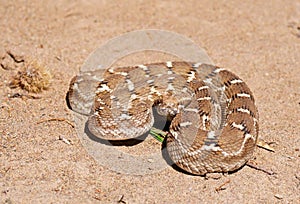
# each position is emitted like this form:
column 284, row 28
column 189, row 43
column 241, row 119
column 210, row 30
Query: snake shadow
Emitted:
column 134, row 141
column 126, row 142
column 159, row 123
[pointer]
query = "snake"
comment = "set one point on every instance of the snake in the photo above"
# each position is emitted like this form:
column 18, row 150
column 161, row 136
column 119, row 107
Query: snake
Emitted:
column 213, row 117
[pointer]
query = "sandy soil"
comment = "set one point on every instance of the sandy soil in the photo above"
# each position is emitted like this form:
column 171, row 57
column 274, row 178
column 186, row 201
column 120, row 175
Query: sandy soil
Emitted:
column 258, row 40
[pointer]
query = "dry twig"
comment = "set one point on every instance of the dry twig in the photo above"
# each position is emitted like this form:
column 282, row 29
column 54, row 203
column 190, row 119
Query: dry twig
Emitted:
column 19, row 95
column 121, row 200
column 65, row 140
column 254, row 166
column 265, row 145
column 57, row 119
column 221, row 187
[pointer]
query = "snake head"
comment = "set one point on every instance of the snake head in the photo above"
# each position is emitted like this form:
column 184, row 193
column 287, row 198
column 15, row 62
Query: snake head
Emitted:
column 168, row 106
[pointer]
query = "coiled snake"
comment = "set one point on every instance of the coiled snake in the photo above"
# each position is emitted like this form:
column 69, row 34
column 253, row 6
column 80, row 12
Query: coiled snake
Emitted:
column 214, row 120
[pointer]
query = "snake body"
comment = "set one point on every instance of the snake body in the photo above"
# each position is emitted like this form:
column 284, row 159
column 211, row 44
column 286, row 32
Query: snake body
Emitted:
column 214, row 120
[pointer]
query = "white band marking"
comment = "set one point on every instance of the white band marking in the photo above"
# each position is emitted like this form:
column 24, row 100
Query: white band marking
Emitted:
column 204, row 98
column 169, row 64
column 219, row 70
column 243, row 110
column 203, row 87
column 238, row 126
column 184, row 124
column 103, row 88
column 243, row 95
column 191, row 76
column 236, row 81
column 130, row 85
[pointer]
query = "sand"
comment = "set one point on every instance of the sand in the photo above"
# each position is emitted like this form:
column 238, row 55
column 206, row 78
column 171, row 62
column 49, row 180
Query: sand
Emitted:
column 46, row 162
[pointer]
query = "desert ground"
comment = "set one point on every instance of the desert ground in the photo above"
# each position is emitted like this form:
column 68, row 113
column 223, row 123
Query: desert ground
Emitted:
column 43, row 159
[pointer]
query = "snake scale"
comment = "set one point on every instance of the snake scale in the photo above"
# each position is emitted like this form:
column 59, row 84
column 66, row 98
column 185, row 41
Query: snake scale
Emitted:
column 214, row 120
